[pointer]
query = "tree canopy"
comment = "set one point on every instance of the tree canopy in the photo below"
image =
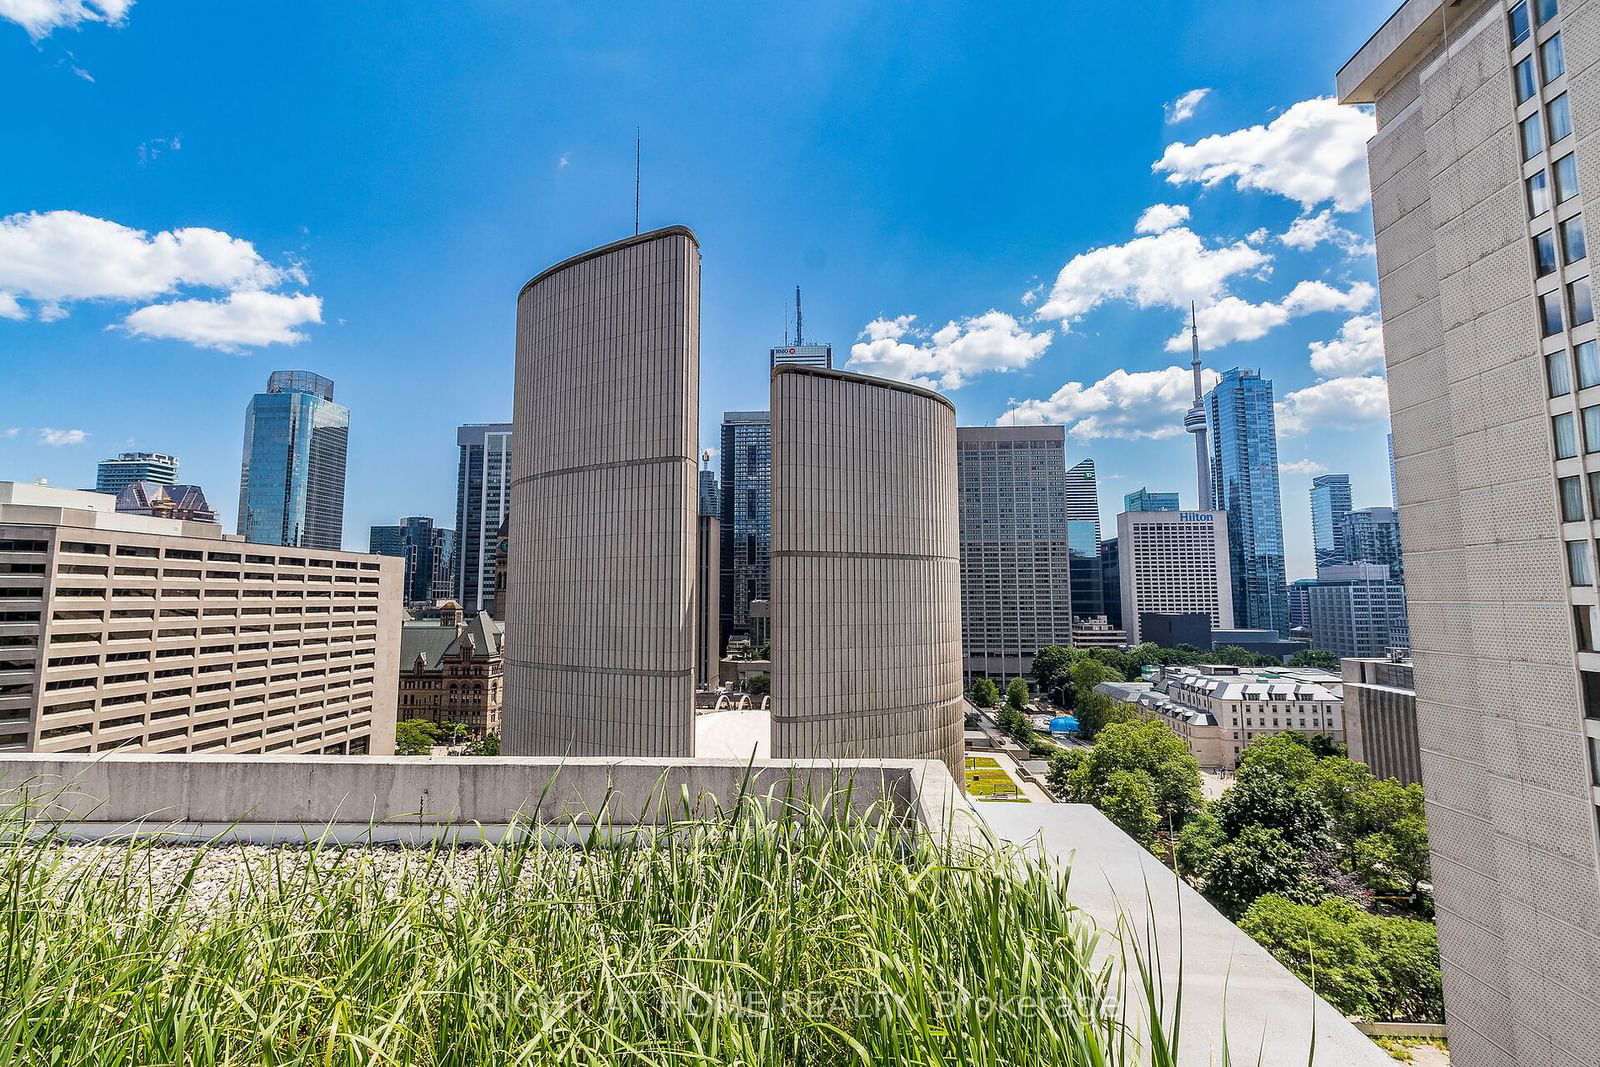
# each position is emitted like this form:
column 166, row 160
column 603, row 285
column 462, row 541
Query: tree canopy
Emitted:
column 1147, row 748
column 984, row 693
column 1363, row 964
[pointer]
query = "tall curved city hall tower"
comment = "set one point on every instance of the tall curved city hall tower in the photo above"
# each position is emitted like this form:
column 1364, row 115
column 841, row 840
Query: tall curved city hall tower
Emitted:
column 599, row 610
column 866, row 570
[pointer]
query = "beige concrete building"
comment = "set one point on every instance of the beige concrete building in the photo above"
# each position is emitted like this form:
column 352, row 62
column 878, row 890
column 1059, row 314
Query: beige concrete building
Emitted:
column 1219, row 709
column 1485, row 160
column 600, row 634
column 1174, row 563
column 866, row 569
column 1380, row 717
column 122, row 631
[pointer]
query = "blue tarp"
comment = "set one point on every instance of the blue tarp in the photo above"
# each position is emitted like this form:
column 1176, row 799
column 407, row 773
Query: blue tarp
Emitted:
column 1064, row 724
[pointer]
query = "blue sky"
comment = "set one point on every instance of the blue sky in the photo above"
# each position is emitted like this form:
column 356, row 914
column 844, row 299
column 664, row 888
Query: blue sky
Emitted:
column 198, row 194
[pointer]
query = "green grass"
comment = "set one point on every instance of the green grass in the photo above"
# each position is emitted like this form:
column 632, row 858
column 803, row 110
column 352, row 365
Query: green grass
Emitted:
column 817, row 939
column 987, row 780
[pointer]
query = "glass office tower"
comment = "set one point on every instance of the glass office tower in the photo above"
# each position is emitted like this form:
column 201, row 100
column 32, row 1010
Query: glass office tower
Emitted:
column 483, row 496
column 1142, row 499
column 1330, row 503
column 1244, row 483
column 746, row 517
column 291, row 480
column 1083, row 541
column 115, row 475
column 429, row 552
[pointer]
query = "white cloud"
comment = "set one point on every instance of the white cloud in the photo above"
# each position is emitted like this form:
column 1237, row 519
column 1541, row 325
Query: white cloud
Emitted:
column 1183, row 107
column 1159, row 218
column 951, row 356
column 39, row 17
column 1163, row 270
column 245, row 317
column 58, row 258
column 1335, row 403
column 1308, row 231
column 1312, row 153
column 1307, row 467
column 10, row 433
column 56, row 438
column 1358, row 348
column 563, row 163
column 1141, row 404
column 1232, row 319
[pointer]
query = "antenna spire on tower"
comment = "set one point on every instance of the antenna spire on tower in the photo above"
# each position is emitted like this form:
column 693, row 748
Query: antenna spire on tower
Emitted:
column 638, row 145
column 799, row 333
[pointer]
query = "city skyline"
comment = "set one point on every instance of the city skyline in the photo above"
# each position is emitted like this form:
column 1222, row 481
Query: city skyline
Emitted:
column 160, row 169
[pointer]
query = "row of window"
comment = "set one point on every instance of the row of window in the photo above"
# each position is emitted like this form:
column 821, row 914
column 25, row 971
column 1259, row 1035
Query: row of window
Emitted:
column 1551, row 59
column 1557, row 121
column 1573, row 246
column 1519, row 18
column 1566, row 182
column 1579, row 300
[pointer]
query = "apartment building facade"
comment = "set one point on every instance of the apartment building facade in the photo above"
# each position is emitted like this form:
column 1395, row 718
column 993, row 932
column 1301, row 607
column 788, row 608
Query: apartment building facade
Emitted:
column 126, row 632
column 1016, row 576
column 1219, row 709
column 1483, row 167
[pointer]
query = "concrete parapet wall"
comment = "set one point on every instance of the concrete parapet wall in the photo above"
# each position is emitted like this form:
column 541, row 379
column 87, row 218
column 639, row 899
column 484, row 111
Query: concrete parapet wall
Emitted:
column 289, row 799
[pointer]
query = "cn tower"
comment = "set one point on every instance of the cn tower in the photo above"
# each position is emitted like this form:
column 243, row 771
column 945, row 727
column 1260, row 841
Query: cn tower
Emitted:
column 1195, row 421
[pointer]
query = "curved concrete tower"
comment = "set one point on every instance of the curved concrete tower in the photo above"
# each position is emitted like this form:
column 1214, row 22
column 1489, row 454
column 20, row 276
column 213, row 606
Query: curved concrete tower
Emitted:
column 866, row 570
column 599, row 610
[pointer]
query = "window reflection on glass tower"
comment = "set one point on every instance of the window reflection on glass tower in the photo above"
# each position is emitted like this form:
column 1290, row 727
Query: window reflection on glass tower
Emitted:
column 483, row 496
column 1330, row 503
column 1244, row 483
column 746, row 517
column 1083, row 541
column 291, row 481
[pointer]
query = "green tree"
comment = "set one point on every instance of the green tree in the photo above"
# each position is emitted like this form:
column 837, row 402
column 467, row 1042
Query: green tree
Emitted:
column 1129, row 800
column 985, row 694
column 454, row 733
column 1322, row 944
column 415, row 737
column 1407, row 966
column 1015, row 724
column 1150, row 748
column 1339, row 784
column 1050, row 666
column 1363, row 964
column 1285, row 757
column 759, row 686
column 1017, row 694
column 1275, row 805
column 1315, row 657
column 1257, row 861
column 487, row 745
column 1196, row 850
column 1062, row 778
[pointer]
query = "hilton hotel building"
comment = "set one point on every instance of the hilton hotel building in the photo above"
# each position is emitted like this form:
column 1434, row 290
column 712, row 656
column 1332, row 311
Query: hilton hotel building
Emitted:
column 1483, row 167
column 127, row 632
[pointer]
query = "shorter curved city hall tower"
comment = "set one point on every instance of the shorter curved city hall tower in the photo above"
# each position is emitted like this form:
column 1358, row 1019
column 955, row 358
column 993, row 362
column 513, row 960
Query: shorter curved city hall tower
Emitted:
column 866, row 570
column 604, row 492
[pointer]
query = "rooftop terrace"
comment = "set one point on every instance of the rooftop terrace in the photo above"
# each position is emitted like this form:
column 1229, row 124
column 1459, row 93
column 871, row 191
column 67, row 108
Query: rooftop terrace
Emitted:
column 720, row 909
